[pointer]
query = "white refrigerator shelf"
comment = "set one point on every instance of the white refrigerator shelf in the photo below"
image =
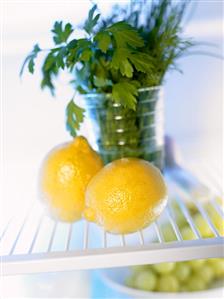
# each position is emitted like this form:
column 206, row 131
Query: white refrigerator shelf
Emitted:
column 33, row 242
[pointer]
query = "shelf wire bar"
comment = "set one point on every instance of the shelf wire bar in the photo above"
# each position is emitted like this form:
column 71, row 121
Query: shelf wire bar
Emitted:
column 35, row 234
column 69, row 236
column 86, row 235
column 217, row 207
column 158, row 232
column 141, row 237
column 52, row 236
column 20, row 231
column 6, row 228
column 104, row 239
column 173, row 223
column 206, row 217
column 188, row 217
column 122, row 239
column 201, row 210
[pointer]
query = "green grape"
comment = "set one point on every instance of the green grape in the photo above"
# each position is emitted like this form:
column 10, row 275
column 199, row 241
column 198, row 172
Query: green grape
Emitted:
column 180, row 218
column 168, row 234
column 216, row 219
column 192, row 207
column 182, row 271
column 218, row 267
column 130, row 281
column 137, row 269
column 196, row 264
column 202, row 226
column 150, row 267
column 146, row 280
column 167, row 283
column 187, row 233
column 206, row 273
column 183, row 288
column 164, row 268
column 196, row 283
column 219, row 225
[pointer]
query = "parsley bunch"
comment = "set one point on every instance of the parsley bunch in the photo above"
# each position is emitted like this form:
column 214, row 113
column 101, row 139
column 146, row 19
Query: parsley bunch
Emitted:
column 116, row 56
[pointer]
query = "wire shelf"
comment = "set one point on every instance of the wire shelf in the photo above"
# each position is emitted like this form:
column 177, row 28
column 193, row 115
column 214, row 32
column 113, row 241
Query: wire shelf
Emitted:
column 33, row 242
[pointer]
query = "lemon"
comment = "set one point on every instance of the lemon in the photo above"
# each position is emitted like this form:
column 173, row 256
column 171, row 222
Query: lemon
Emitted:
column 64, row 176
column 125, row 196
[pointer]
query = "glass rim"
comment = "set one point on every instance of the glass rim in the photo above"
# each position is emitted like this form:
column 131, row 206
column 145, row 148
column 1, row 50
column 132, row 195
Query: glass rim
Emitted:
column 92, row 94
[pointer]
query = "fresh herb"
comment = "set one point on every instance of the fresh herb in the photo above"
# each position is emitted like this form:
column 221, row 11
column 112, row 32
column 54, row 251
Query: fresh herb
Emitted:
column 61, row 35
column 75, row 116
column 30, row 60
column 125, row 93
column 133, row 48
column 92, row 20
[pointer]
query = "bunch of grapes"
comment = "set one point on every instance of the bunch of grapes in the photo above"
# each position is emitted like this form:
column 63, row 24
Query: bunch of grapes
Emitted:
column 199, row 221
column 195, row 275
column 189, row 276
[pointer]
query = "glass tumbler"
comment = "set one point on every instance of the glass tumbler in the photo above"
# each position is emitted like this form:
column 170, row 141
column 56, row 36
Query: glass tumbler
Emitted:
column 116, row 131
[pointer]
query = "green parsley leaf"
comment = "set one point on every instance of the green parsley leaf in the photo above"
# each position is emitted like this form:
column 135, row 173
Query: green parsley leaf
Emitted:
column 122, row 58
column 91, row 21
column 81, row 81
column 103, row 39
column 125, row 93
column 142, row 62
column 126, row 69
column 86, row 55
column 72, row 44
column 124, row 34
column 119, row 55
column 101, row 82
column 120, row 61
column 62, row 53
column 30, row 60
column 61, row 34
column 49, row 62
column 49, row 69
column 78, row 50
column 75, row 116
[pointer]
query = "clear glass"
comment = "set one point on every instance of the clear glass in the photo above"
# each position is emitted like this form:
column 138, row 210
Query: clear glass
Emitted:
column 120, row 132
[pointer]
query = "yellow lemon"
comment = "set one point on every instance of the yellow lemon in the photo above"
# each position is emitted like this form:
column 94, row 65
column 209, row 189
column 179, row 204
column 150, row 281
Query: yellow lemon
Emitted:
column 64, row 176
column 125, row 196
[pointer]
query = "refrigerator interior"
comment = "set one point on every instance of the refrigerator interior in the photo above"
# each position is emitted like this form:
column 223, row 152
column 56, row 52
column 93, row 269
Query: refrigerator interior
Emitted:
column 33, row 122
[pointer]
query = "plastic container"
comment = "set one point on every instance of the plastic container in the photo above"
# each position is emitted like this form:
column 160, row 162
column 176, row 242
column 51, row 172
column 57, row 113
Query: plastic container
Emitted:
column 109, row 283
